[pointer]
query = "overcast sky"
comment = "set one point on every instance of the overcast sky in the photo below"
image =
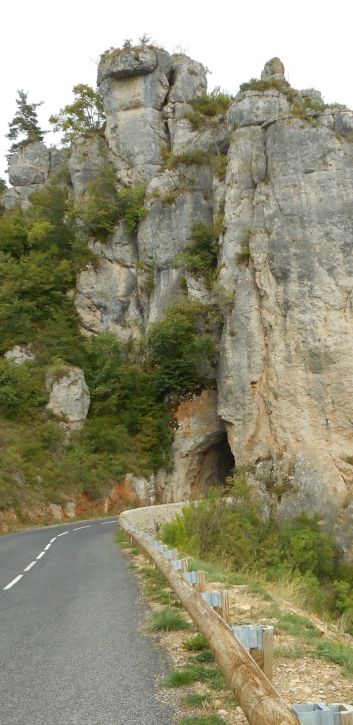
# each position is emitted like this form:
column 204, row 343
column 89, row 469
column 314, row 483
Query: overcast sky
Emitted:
column 47, row 48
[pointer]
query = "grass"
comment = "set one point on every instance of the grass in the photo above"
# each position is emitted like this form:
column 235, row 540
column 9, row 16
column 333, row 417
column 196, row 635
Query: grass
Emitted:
column 205, row 656
column 197, row 673
column 290, row 651
column 195, row 700
column 168, row 620
column 341, row 654
column 197, row 643
column 298, row 626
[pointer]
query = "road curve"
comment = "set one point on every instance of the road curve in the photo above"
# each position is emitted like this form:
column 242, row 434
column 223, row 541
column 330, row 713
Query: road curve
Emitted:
column 70, row 648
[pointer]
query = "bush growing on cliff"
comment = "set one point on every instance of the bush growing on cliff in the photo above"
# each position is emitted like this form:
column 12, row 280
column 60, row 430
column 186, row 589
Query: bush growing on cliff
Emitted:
column 104, row 205
column 207, row 106
column 177, row 349
column 200, row 257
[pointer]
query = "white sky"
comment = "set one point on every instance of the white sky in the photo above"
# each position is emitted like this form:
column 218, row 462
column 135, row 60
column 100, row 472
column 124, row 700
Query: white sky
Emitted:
column 46, row 48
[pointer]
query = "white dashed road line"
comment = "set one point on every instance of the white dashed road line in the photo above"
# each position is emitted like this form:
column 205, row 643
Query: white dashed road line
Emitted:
column 30, row 566
column 104, row 523
column 14, row 581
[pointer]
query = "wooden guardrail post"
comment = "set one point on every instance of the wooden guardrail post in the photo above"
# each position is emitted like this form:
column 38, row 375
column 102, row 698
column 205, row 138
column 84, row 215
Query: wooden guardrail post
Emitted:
column 258, row 699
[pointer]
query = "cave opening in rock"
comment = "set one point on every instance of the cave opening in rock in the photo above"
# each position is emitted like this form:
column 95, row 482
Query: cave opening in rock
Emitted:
column 216, row 465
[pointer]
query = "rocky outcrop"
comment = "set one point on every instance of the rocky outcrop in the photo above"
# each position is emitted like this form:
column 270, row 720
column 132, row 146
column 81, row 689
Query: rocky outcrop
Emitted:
column 20, row 354
column 69, row 396
column 30, row 169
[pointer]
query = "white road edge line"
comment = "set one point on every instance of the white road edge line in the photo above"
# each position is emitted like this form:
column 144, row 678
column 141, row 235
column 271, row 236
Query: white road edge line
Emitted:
column 47, row 547
column 30, row 566
column 104, row 523
column 40, row 555
column 63, row 534
column 51, row 540
column 14, row 581
column 82, row 527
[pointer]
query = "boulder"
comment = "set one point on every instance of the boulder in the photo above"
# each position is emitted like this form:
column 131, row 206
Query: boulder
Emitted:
column 20, row 354
column 273, row 70
column 69, row 395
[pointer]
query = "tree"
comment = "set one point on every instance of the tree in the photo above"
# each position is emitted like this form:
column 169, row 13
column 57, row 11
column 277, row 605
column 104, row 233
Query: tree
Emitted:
column 85, row 115
column 24, row 123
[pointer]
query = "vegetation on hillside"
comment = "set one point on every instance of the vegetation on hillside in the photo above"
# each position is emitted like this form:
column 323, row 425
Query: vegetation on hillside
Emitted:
column 128, row 427
column 229, row 526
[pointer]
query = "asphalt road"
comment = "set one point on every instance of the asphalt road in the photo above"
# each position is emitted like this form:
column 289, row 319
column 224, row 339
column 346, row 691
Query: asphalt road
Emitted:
column 70, row 648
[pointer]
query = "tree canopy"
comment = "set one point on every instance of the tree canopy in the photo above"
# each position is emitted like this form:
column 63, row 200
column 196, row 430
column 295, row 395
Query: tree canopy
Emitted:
column 85, row 115
column 24, row 124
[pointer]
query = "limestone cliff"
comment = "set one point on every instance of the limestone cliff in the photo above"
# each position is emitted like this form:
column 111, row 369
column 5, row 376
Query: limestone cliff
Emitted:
column 284, row 407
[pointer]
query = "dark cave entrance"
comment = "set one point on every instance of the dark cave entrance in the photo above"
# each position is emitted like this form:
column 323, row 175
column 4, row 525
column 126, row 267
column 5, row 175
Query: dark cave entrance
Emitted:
column 216, row 465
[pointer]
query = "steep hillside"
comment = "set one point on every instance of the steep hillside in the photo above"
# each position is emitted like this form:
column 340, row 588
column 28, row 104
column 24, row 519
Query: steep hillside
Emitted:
column 201, row 280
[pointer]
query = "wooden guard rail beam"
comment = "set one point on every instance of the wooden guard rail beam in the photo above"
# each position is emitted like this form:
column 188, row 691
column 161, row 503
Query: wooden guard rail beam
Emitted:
column 258, row 699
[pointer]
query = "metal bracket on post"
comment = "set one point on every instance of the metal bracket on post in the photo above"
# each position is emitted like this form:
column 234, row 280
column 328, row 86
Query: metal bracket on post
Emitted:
column 259, row 642
column 321, row 714
column 219, row 601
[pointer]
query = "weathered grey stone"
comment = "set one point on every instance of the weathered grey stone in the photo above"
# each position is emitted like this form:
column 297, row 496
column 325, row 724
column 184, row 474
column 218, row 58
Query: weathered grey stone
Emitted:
column 57, row 159
column 213, row 139
column 252, row 108
column 166, row 229
column 30, row 165
column 312, row 93
column 120, row 247
column 287, row 346
column 68, row 395
column 273, row 70
column 20, row 354
column 70, row 509
column 344, row 124
column 135, row 128
column 126, row 63
column 55, row 511
column 89, row 156
column 188, row 80
column 106, row 299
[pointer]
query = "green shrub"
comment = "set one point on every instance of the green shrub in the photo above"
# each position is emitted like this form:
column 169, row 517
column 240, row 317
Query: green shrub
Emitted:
column 177, row 348
column 104, row 205
column 196, row 643
column 207, row 106
column 22, row 389
column 200, row 257
column 168, row 620
column 189, row 158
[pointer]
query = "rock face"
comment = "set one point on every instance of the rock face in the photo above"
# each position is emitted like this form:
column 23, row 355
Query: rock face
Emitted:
column 29, row 170
column 284, row 405
column 69, row 395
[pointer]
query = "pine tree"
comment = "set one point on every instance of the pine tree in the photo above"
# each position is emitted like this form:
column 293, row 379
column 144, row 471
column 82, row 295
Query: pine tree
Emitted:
column 24, row 123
